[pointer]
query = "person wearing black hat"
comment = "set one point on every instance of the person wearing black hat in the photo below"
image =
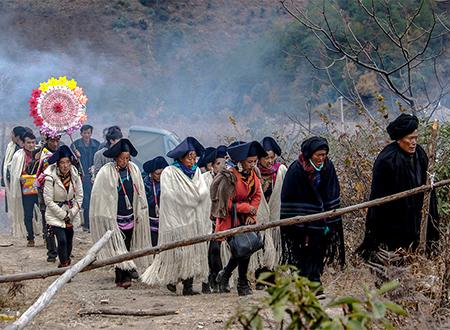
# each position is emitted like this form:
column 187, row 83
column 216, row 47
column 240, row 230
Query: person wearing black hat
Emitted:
column 242, row 202
column 311, row 186
column 272, row 175
column 51, row 145
column 400, row 166
column 217, row 160
column 182, row 215
column 118, row 203
column 11, row 148
column 23, row 194
column 152, row 177
column 63, row 196
column 204, row 162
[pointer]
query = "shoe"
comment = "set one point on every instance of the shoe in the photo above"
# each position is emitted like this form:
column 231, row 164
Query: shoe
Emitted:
column 213, row 285
column 64, row 264
column 260, row 286
column 30, row 243
column 51, row 259
column 172, row 288
column 188, row 288
column 205, row 288
column 243, row 288
column 134, row 274
column 124, row 285
column 223, row 281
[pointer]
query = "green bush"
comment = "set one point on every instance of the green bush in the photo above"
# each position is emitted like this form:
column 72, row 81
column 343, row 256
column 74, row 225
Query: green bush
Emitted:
column 292, row 304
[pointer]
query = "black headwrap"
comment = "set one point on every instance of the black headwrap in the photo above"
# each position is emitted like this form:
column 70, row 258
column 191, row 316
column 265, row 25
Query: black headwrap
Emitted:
column 250, row 149
column 63, row 151
column 311, row 145
column 269, row 143
column 402, row 126
column 156, row 163
column 124, row 145
column 188, row 144
column 18, row 131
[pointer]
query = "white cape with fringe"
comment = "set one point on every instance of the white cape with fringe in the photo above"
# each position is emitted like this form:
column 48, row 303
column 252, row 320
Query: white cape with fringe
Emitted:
column 270, row 256
column 9, row 153
column 183, row 211
column 15, row 207
column 103, row 215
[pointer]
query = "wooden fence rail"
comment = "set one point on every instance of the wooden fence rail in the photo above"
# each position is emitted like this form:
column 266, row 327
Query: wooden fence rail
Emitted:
column 224, row 234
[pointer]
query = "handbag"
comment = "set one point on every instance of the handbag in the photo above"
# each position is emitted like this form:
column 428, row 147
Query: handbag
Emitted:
column 245, row 244
column 29, row 183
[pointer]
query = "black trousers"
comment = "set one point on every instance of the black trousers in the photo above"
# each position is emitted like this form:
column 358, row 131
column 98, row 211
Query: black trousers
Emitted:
column 64, row 237
column 125, row 275
column 305, row 249
column 241, row 264
column 87, row 189
column 49, row 239
column 28, row 202
column 214, row 260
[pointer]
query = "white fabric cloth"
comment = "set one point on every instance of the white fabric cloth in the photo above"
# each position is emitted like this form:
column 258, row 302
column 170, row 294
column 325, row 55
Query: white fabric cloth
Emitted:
column 9, row 153
column 183, row 210
column 103, row 215
column 270, row 256
column 54, row 192
column 15, row 206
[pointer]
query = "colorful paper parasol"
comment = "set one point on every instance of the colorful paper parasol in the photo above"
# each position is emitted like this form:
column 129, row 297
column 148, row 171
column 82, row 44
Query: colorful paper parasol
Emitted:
column 58, row 106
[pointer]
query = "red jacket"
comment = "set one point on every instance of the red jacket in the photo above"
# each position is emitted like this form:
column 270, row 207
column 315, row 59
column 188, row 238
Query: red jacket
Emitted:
column 246, row 194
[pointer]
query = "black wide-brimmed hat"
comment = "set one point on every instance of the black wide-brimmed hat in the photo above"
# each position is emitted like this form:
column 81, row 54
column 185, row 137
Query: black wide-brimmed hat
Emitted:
column 189, row 144
column 204, row 159
column 154, row 164
column 269, row 143
column 123, row 145
column 219, row 152
column 313, row 144
column 402, row 126
column 243, row 151
column 63, row 151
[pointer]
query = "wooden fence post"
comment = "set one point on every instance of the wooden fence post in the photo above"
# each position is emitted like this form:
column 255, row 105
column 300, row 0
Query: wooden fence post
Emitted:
column 430, row 179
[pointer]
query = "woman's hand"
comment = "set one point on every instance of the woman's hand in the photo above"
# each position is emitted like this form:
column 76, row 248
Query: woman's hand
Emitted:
column 253, row 210
column 250, row 221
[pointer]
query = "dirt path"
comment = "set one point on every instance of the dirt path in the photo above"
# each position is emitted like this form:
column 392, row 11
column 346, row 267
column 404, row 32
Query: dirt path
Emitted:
column 87, row 291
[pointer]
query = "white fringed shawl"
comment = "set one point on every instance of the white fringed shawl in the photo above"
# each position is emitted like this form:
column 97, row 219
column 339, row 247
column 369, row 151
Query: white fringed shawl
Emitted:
column 183, row 211
column 103, row 215
column 15, row 207
column 9, row 153
column 270, row 256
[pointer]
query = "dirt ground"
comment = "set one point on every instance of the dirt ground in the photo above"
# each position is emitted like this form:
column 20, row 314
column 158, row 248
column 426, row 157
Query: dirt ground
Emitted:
column 95, row 289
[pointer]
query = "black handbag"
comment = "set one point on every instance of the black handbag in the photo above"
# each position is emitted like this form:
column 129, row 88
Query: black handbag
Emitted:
column 245, row 244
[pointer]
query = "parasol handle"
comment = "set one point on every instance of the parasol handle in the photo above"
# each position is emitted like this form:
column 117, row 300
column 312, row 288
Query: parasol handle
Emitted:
column 78, row 158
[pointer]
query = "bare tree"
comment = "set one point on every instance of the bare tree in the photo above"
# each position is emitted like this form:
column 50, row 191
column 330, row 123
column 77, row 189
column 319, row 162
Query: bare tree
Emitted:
column 398, row 52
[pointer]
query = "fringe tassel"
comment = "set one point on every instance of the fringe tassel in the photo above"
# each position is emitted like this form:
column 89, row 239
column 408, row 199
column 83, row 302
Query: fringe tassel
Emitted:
column 169, row 267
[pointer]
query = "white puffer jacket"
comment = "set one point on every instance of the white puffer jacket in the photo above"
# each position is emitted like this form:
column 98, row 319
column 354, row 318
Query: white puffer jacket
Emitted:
column 55, row 194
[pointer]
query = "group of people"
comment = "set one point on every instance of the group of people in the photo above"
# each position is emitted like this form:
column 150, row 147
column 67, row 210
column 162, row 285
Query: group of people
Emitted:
column 206, row 190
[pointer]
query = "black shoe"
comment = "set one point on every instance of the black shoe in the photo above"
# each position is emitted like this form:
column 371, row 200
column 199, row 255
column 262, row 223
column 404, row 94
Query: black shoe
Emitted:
column 223, row 281
column 213, row 285
column 188, row 289
column 134, row 274
column 260, row 286
column 243, row 288
column 172, row 288
column 205, row 288
column 51, row 259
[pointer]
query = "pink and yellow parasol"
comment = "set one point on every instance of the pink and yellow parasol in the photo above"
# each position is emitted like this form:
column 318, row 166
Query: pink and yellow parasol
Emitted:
column 58, row 106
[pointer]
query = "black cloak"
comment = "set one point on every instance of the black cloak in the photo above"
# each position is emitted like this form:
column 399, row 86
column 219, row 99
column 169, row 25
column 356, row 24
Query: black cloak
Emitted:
column 300, row 197
column 397, row 224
